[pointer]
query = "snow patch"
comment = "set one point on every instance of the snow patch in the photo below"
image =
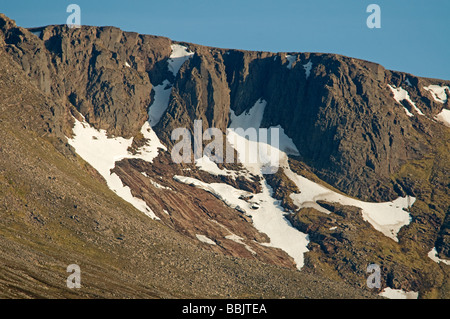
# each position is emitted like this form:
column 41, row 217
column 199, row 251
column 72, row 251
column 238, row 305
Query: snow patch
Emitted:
column 401, row 94
column 239, row 240
column 179, row 55
column 253, row 119
column 224, row 192
column 438, row 92
column 398, row 294
column 159, row 185
column 160, row 102
column 235, row 237
column 387, row 217
column 205, row 164
column 268, row 219
column 408, row 82
column 102, row 152
column 433, row 254
column 250, row 118
column 444, row 117
column 291, row 59
column 266, row 156
column 205, row 239
column 308, row 67
column 127, row 64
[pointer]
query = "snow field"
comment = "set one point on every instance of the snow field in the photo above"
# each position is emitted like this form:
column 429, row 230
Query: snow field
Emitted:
column 438, row 92
column 444, row 117
column 102, row 152
column 398, row 294
column 401, row 94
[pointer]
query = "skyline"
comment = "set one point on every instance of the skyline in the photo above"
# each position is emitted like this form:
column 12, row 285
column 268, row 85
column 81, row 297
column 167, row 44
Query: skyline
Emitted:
column 412, row 37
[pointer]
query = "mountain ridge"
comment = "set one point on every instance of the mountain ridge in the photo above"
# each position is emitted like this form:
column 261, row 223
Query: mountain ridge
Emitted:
column 341, row 113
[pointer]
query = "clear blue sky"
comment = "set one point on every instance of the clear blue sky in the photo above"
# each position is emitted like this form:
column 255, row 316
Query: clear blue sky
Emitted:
column 414, row 35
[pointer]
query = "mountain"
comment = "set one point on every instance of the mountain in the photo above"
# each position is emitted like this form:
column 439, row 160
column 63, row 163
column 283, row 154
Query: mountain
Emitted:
column 88, row 174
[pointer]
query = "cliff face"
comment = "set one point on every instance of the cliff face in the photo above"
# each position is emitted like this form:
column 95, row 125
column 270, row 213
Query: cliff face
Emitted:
column 344, row 115
column 340, row 113
column 88, row 70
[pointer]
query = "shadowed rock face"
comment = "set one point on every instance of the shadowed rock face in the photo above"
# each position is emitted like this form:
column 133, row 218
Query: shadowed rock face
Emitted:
column 88, row 68
column 101, row 86
column 339, row 111
column 342, row 117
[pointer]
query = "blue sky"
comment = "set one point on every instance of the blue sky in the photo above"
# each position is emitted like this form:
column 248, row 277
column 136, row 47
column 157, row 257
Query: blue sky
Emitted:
column 414, row 36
